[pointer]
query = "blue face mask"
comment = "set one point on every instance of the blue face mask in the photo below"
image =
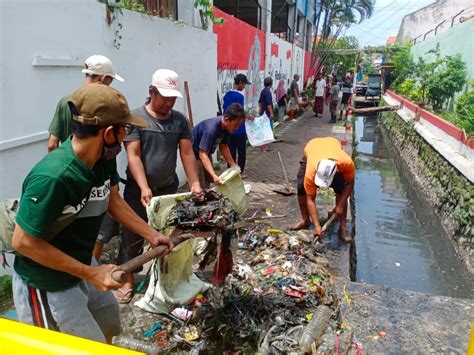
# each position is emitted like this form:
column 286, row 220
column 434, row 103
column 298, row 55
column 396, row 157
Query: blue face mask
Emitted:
column 111, row 151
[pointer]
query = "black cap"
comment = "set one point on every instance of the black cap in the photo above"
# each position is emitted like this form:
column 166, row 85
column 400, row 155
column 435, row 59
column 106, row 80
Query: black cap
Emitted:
column 241, row 78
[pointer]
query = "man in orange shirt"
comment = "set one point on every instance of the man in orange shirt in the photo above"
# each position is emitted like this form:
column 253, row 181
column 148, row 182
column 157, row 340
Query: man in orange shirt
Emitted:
column 324, row 164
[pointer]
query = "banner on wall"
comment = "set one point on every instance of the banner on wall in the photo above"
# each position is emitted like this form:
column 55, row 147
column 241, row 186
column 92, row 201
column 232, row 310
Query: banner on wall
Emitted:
column 240, row 49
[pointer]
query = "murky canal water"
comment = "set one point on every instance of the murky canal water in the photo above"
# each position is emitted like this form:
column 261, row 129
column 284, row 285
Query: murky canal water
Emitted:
column 399, row 240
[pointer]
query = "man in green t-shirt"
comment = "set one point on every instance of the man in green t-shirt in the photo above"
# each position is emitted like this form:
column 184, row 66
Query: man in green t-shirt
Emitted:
column 98, row 69
column 56, row 283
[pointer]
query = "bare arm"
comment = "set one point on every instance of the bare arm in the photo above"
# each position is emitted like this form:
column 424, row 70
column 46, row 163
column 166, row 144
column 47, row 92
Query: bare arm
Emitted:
column 53, row 143
column 206, row 162
column 225, row 151
column 123, row 214
column 134, row 156
column 48, row 255
column 189, row 162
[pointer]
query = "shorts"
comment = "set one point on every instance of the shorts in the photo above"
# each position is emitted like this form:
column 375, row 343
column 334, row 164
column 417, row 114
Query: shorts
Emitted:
column 81, row 310
column 337, row 183
column 108, row 229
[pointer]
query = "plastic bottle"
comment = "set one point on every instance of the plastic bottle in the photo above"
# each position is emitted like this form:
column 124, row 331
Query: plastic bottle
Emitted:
column 136, row 344
column 315, row 328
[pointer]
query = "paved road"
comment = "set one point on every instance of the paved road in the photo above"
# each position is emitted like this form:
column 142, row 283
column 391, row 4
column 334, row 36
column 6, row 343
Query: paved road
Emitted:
column 264, row 174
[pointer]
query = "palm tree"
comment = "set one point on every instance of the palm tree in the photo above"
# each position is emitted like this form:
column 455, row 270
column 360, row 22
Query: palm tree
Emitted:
column 337, row 15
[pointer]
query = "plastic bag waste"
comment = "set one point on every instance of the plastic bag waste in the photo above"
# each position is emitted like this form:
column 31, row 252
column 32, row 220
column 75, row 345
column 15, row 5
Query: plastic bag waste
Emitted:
column 259, row 131
column 233, row 189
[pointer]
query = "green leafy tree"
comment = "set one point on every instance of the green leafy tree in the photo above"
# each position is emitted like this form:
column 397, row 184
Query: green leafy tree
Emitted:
column 448, row 78
column 347, row 60
column 331, row 17
column 404, row 65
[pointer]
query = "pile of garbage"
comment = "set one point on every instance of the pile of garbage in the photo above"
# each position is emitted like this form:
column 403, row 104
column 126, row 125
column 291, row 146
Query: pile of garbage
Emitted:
column 211, row 211
column 277, row 285
column 276, row 296
column 278, row 281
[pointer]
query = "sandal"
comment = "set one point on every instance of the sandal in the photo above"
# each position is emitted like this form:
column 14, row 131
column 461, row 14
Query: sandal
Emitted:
column 124, row 296
column 298, row 226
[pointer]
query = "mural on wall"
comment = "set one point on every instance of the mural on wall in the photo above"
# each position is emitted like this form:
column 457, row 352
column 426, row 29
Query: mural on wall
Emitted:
column 280, row 66
column 240, row 49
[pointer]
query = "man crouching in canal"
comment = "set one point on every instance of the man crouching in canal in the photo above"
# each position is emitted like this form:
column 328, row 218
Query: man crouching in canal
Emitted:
column 324, row 164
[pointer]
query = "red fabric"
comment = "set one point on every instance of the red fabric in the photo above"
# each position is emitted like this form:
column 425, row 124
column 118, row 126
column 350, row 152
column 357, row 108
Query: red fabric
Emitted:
column 224, row 263
column 318, row 104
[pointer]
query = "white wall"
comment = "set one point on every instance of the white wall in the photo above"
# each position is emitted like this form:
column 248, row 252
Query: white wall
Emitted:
column 60, row 34
column 427, row 18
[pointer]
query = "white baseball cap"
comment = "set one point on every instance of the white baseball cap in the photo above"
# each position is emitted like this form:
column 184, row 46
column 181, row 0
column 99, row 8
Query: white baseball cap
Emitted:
column 325, row 173
column 100, row 65
column 166, row 81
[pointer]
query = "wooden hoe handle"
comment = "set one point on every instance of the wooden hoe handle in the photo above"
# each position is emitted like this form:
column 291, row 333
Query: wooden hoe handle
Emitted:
column 135, row 263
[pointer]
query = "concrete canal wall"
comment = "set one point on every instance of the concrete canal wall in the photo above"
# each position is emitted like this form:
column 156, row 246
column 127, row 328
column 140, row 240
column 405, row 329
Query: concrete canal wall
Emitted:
column 441, row 171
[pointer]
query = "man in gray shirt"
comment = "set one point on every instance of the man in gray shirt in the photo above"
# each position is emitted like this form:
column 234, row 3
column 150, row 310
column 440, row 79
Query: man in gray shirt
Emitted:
column 152, row 156
column 294, row 89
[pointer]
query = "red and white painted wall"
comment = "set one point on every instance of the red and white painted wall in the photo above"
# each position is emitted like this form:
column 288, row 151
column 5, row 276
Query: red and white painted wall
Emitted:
column 241, row 49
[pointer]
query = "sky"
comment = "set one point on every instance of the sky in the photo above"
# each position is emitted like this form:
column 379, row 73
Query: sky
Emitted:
column 385, row 21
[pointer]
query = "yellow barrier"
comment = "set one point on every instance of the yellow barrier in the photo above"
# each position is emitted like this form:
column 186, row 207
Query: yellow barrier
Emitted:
column 470, row 347
column 20, row 338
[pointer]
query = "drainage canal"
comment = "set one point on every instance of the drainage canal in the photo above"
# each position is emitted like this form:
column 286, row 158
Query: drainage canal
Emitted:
column 399, row 240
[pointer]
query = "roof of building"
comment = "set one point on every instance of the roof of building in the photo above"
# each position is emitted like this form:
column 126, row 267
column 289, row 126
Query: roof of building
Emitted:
column 391, row 39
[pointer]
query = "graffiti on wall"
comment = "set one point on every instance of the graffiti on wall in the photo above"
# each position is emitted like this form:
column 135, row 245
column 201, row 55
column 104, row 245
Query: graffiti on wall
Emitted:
column 226, row 72
column 279, row 66
column 240, row 49
column 252, row 92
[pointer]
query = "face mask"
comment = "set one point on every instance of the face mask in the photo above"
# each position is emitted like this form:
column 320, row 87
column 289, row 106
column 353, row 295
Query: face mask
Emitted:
column 111, row 151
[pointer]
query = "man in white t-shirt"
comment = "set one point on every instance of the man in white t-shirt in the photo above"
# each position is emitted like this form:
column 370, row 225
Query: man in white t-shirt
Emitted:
column 319, row 95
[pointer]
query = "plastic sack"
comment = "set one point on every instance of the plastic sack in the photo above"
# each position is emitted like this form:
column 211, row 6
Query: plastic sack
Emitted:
column 259, row 131
column 8, row 210
column 179, row 285
column 233, row 189
column 176, row 286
